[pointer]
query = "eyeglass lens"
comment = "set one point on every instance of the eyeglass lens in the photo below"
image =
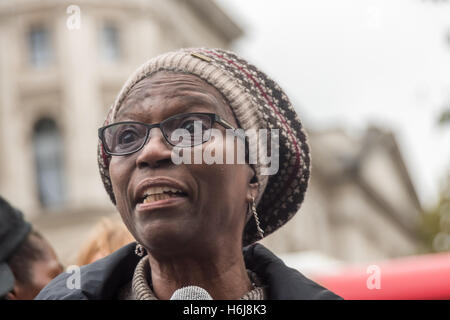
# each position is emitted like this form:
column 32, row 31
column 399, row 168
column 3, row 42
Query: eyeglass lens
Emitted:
column 182, row 131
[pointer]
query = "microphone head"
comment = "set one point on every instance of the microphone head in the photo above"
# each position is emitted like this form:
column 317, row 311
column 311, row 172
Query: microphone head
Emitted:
column 191, row 293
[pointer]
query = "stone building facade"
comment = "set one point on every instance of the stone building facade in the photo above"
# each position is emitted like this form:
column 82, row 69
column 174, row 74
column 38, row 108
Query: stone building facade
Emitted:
column 360, row 205
column 57, row 82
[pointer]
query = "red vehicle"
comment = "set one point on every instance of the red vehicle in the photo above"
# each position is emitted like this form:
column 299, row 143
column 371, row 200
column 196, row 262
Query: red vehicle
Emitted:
column 416, row 277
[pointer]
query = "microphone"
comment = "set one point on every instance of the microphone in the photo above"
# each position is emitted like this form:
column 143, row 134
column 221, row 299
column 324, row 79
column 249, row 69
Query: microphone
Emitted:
column 191, row 293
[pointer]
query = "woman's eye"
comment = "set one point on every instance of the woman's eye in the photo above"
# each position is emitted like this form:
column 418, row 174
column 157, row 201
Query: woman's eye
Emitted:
column 127, row 137
column 190, row 126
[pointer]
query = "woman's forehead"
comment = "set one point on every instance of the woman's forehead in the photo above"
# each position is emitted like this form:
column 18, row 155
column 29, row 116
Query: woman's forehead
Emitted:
column 164, row 78
column 175, row 90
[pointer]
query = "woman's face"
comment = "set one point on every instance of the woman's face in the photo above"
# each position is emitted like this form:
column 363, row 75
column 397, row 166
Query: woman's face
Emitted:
column 211, row 212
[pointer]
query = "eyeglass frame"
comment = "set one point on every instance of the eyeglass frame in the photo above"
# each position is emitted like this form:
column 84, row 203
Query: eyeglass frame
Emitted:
column 214, row 119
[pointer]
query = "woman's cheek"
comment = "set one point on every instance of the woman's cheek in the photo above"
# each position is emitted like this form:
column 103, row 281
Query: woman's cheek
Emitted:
column 120, row 174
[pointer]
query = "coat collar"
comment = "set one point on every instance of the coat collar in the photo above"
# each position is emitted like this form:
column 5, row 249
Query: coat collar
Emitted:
column 102, row 279
column 283, row 283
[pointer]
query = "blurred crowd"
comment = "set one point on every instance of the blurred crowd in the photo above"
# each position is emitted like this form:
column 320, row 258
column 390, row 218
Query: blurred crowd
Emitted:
column 27, row 260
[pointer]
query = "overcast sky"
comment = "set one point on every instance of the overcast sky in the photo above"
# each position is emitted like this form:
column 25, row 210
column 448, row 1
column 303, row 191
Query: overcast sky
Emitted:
column 350, row 63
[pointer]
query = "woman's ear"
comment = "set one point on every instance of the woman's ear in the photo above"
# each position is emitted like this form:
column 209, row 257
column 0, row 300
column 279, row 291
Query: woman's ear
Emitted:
column 252, row 193
column 252, row 190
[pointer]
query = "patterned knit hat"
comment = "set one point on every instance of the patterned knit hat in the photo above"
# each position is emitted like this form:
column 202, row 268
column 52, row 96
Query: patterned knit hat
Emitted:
column 257, row 102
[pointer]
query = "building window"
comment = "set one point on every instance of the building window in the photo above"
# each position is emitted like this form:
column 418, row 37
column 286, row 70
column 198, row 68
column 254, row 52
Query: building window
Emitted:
column 39, row 45
column 47, row 147
column 110, row 42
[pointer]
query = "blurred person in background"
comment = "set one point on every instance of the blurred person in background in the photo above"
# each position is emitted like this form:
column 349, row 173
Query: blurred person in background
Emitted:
column 27, row 261
column 107, row 236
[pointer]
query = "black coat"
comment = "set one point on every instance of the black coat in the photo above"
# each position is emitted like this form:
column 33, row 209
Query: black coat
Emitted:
column 102, row 279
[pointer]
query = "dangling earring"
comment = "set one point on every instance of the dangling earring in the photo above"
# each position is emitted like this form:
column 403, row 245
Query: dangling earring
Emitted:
column 255, row 214
column 140, row 250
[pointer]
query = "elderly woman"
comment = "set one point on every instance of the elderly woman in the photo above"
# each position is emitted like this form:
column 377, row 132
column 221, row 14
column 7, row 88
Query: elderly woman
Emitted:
column 196, row 222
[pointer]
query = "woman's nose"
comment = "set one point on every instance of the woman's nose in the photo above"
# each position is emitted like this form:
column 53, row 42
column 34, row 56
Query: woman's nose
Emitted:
column 155, row 152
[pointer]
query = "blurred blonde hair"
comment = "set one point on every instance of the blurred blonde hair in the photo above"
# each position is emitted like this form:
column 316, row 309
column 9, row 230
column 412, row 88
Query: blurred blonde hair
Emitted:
column 107, row 236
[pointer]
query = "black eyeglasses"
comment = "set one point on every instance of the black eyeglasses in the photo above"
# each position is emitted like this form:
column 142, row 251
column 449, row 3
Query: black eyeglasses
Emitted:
column 182, row 130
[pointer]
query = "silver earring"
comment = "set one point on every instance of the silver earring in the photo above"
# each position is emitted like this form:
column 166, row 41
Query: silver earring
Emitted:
column 255, row 214
column 140, row 250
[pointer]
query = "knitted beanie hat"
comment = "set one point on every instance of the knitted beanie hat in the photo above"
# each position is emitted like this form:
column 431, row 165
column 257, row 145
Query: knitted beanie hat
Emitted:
column 257, row 102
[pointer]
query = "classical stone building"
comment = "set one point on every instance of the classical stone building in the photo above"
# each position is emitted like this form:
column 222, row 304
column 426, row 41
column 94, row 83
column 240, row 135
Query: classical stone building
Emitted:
column 360, row 205
column 63, row 62
column 61, row 67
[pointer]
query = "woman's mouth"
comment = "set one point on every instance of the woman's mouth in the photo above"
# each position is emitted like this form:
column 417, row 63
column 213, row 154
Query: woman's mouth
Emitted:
column 154, row 194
